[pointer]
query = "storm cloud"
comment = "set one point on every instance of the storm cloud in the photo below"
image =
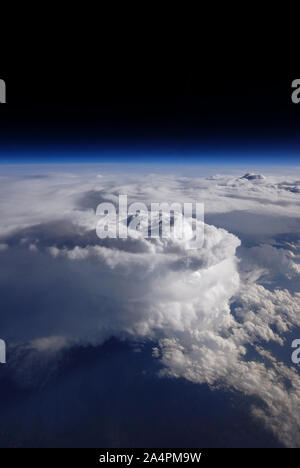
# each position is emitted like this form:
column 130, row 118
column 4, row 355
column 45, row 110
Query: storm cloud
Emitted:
column 61, row 285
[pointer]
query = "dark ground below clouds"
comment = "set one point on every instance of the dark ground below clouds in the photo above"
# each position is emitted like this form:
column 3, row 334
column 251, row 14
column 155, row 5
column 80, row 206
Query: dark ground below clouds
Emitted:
column 111, row 396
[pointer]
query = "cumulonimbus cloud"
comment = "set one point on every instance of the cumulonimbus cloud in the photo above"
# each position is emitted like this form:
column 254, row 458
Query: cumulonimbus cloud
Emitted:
column 203, row 308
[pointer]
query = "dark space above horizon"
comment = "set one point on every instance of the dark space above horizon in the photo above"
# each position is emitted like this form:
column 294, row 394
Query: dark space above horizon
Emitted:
column 117, row 112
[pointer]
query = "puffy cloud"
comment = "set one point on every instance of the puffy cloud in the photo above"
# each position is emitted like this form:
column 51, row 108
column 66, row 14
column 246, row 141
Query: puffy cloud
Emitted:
column 218, row 357
column 204, row 308
column 275, row 260
column 250, row 176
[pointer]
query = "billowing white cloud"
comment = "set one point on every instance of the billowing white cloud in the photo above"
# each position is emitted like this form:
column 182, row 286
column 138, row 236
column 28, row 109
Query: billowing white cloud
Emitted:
column 203, row 308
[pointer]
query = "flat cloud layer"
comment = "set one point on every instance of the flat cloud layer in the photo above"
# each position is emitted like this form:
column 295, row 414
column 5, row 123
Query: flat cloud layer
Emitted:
column 204, row 308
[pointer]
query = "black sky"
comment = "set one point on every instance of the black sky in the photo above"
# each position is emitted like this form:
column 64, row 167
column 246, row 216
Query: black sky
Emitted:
column 140, row 100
